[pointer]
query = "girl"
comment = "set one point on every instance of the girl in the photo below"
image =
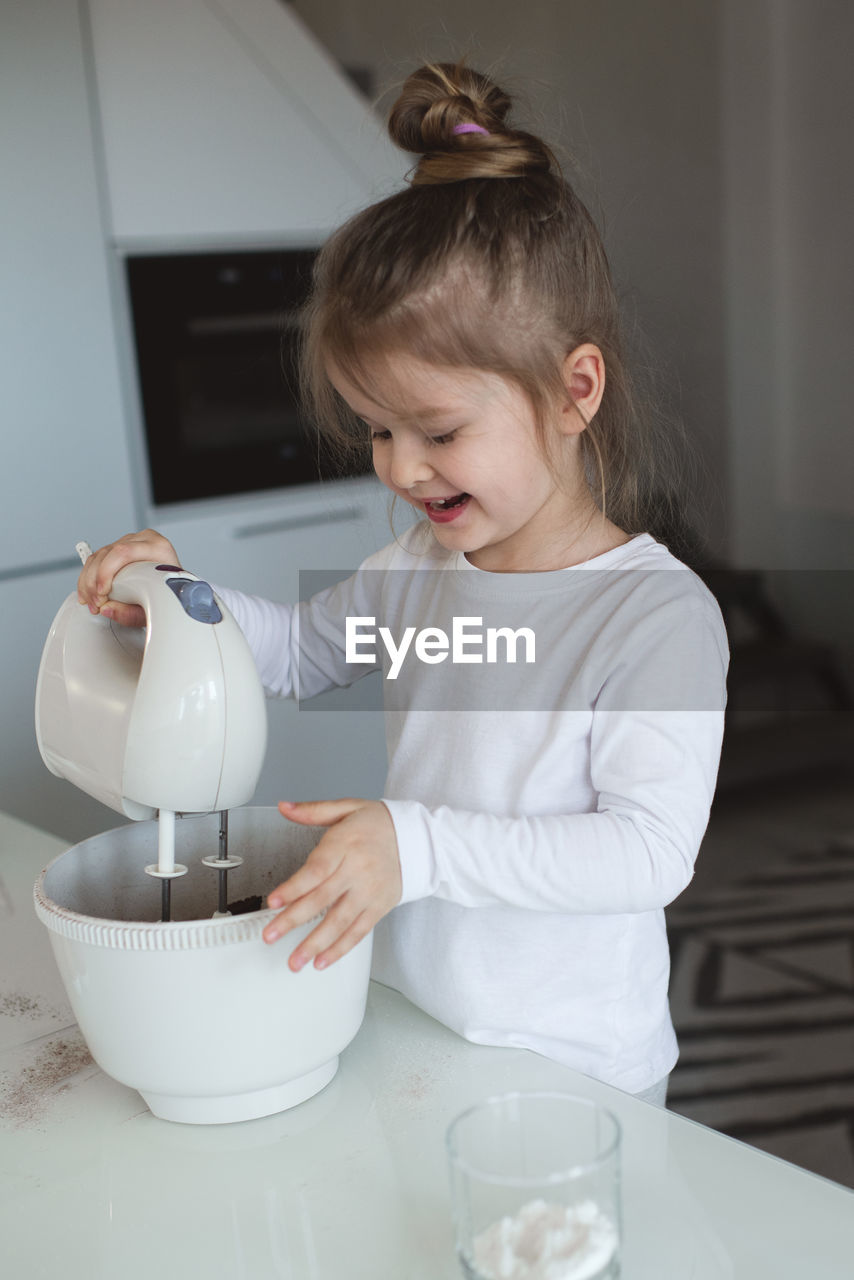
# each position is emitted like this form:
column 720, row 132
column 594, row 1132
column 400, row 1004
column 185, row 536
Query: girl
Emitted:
column 533, row 827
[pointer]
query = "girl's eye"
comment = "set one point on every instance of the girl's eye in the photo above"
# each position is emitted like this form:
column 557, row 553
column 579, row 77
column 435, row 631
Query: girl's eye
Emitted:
column 377, row 434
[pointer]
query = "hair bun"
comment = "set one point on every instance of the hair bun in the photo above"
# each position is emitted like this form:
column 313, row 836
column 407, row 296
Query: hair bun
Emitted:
column 432, row 105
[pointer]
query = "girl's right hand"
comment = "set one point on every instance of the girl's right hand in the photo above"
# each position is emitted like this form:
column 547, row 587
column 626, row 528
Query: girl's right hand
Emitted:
column 94, row 583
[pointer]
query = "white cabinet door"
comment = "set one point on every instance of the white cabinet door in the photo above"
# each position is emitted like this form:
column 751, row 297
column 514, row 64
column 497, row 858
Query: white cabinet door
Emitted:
column 65, row 472
column 260, row 543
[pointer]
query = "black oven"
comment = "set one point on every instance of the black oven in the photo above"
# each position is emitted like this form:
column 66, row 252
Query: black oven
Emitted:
column 216, row 342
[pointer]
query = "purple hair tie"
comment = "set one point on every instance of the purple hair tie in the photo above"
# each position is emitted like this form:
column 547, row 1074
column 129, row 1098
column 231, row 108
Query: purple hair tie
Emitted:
column 470, row 128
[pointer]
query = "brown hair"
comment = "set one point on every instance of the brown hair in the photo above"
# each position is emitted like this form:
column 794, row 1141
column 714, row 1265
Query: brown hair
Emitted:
column 487, row 260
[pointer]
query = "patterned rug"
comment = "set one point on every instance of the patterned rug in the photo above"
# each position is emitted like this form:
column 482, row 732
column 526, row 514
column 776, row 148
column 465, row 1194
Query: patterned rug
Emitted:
column 762, row 988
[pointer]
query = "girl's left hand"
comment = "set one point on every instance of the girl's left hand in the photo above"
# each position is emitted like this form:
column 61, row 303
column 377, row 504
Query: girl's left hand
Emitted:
column 353, row 874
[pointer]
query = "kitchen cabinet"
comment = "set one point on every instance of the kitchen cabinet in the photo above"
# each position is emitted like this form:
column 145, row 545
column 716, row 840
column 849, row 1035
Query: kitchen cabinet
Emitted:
column 73, row 465
column 260, row 543
column 252, row 132
column 66, row 470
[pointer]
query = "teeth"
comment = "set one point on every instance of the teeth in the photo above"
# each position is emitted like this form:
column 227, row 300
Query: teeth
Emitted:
column 442, row 504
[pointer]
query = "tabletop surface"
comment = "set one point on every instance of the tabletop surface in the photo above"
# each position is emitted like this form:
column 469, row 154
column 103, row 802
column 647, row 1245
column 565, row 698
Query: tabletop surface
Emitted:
column 352, row 1183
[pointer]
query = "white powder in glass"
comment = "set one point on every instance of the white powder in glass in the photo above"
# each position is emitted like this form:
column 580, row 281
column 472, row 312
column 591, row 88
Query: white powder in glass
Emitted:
column 547, row 1242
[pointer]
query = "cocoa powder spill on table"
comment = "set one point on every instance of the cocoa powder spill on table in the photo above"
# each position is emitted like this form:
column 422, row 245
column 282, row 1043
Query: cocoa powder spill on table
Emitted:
column 15, row 1005
column 24, row 1098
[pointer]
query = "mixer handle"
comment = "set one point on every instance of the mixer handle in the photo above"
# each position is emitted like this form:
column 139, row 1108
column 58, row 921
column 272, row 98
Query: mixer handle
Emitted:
column 143, row 581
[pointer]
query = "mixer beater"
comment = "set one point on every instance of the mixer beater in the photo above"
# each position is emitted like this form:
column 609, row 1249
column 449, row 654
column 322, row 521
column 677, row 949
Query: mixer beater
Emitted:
column 166, row 869
column 222, row 863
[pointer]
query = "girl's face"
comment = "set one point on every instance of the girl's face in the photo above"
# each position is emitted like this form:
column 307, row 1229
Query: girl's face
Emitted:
column 460, row 445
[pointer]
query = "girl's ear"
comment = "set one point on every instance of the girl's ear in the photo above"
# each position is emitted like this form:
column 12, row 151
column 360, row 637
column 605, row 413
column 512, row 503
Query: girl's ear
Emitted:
column 584, row 379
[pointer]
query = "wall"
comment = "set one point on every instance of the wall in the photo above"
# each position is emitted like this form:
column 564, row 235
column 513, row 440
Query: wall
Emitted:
column 789, row 183
column 789, row 180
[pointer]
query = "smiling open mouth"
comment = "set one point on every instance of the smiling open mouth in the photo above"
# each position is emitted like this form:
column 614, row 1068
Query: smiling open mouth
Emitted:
column 446, row 504
column 443, row 510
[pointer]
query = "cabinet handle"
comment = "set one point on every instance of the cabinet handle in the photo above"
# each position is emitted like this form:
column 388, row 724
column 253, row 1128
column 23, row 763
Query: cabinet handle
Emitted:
column 46, row 566
column 287, row 523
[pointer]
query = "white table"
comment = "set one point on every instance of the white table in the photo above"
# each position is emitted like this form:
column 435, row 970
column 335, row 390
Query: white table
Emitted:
column 350, row 1185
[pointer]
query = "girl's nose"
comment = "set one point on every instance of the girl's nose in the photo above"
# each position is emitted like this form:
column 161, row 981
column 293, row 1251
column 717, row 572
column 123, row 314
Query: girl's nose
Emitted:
column 409, row 464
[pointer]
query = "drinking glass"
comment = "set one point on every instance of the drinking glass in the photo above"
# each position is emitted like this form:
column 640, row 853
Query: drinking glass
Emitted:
column 535, row 1188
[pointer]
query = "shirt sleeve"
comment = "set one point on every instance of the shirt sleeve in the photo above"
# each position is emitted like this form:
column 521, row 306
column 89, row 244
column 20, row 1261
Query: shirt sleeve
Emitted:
column 636, row 852
column 653, row 771
column 300, row 650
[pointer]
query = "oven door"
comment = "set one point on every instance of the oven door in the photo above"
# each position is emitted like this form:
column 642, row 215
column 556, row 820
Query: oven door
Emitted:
column 216, row 344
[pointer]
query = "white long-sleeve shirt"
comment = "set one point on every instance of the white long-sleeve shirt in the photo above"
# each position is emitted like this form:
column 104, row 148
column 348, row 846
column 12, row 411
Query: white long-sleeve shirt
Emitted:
column 546, row 809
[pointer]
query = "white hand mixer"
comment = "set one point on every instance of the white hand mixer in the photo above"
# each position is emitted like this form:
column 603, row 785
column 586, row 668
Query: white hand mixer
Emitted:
column 162, row 721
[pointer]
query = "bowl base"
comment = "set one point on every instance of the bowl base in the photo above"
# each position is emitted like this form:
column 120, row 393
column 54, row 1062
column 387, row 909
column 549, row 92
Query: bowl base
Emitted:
column 235, row 1107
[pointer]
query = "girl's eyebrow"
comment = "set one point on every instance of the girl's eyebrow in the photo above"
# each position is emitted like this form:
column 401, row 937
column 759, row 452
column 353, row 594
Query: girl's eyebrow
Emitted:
column 437, row 411
column 430, row 414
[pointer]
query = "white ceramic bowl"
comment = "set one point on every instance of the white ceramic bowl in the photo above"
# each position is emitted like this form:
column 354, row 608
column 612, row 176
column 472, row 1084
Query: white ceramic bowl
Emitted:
column 200, row 1015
